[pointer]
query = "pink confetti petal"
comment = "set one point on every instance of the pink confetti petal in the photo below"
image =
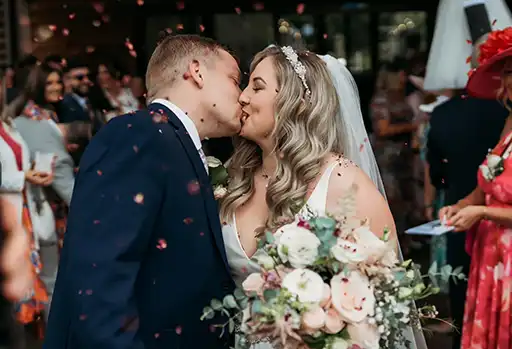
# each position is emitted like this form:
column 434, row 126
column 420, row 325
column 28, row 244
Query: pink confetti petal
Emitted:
column 162, row 244
column 193, row 187
column 178, row 330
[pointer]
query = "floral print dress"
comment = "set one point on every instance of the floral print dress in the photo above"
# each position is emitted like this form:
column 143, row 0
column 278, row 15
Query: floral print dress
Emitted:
column 488, row 313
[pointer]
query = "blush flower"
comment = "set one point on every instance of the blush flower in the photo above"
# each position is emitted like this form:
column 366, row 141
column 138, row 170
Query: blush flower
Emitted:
column 352, row 296
column 313, row 319
column 253, row 283
column 365, row 335
column 333, row 321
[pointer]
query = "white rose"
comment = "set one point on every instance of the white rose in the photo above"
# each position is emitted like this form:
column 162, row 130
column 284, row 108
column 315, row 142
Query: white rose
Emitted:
column 219, row 192
column 339, row 343
column 347, row 252
column 297, row 245
column 364, row 335
column 265, row 261
column 213, row 162
column 307, row 285
column 352, row 296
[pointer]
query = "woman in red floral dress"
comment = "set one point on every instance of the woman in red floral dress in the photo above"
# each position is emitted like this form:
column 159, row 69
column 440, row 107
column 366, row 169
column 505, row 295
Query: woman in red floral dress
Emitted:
column 487, row 212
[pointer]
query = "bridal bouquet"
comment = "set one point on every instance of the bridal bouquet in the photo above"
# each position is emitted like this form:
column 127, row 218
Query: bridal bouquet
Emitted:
column 328, row 282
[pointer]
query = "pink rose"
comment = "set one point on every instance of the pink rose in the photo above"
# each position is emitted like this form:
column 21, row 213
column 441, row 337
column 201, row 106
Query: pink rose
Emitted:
column 253, row 283
column 313, row 319
column 365, row 335
column 326, row 298
column 352, row 296
column 333, row 321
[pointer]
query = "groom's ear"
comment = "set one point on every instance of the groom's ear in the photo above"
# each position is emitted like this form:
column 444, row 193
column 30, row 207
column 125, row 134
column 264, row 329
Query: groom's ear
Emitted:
column 194, row 73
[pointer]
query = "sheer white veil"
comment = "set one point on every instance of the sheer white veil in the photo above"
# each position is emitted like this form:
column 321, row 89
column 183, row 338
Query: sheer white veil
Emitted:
column 356, row 143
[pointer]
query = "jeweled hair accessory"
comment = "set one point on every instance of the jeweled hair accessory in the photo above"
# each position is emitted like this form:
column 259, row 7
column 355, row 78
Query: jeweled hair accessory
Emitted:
column 297, row 65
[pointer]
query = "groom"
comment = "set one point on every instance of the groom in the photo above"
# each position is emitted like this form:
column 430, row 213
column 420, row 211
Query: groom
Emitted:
column 143, row 252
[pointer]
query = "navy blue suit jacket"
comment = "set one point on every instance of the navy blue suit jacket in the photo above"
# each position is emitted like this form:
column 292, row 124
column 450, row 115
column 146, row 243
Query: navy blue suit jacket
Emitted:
column 143, row 252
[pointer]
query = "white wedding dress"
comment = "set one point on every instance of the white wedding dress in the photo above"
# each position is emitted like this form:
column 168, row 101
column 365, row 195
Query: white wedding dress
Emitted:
column 241, row 265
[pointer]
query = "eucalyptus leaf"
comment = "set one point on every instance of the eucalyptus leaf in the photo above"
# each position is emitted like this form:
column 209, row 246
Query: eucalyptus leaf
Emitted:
column 446, row 272
column 457, row 271
column 208, row 313
column 270, row 294
column 239, row 294
column 216, row 304
column 433, row 269
column 256, row 306
column 229, row 302
column 231, row 326
column 269, row 237
column 315, row 343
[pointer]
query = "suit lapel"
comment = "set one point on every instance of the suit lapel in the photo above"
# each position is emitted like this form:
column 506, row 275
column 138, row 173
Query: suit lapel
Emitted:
column 204, row 180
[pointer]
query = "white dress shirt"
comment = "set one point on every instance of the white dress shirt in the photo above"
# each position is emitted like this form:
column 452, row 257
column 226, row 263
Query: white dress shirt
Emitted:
column 189, row 126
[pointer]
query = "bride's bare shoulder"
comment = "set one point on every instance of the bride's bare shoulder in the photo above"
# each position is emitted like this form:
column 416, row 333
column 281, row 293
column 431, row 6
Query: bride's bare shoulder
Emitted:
column 370, row 202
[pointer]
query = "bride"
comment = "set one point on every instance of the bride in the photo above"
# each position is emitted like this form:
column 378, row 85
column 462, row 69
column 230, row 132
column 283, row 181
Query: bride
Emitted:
column 302, row 145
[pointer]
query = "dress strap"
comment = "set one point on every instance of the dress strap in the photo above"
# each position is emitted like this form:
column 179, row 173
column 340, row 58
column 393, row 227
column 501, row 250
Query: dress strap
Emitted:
column 318, row 200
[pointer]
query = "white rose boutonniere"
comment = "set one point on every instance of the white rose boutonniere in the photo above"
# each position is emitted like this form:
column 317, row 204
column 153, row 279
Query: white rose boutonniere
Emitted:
column 493, row 168
column 219, row 177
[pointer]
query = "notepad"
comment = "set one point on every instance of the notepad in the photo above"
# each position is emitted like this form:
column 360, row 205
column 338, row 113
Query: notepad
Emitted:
column 44, row 162
column 433, row 228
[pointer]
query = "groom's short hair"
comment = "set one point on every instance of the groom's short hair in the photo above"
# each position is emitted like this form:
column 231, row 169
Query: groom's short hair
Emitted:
column 170, row 57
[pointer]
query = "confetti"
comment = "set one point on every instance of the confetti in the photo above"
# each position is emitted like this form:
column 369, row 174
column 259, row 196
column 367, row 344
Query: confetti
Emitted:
column 96, row 222
column 96, row 23
column 139, row 198
column 326, row 36
column 237, row 10
column 178, row 330
column 98, row 7
column 88, row 292
column 162, row 244
column 193, row 187
column 188, row 220
column 258, row 6
column 140, row 2
column 494, row 22
column 135, row 149
column 179, row 26
column 65, row 32
column 300, row 9
column 82, row 317
column 99, row 172
column 180, row 5
column 201, row 28
column 157, row 335
column 201, row 234
column 52, row 27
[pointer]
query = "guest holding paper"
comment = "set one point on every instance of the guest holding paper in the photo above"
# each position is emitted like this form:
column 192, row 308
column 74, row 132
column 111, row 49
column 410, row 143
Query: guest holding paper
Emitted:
column 488, row 211
column 38, row 124
column 22, row 186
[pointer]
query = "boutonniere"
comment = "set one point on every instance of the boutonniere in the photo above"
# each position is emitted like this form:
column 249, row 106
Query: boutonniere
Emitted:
column 219, row 177
column 493, row 168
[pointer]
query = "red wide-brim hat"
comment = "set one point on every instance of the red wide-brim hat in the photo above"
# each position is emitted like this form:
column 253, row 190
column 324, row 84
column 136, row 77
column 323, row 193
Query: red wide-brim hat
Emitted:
column 485, row 81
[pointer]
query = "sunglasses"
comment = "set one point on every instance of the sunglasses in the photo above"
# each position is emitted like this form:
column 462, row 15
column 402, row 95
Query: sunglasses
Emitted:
column 80, row 77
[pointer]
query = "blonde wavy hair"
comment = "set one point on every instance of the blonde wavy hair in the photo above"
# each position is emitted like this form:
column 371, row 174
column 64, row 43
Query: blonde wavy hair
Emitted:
column 306, row 131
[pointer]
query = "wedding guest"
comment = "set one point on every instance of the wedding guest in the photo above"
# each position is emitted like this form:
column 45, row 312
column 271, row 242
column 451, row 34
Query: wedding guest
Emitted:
column 487, row 211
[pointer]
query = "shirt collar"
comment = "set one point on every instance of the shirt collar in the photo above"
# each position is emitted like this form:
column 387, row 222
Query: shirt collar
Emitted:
column 185, row 120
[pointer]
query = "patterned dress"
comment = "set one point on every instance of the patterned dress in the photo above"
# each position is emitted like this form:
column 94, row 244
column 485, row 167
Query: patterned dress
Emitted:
column 488, row 314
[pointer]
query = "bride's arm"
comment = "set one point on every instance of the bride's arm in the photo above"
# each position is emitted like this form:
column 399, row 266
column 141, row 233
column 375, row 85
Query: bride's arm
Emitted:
column 369, row 201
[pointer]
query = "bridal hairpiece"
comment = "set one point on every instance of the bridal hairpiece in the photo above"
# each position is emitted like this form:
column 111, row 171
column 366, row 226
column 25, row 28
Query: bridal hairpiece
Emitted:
column 297, row 65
